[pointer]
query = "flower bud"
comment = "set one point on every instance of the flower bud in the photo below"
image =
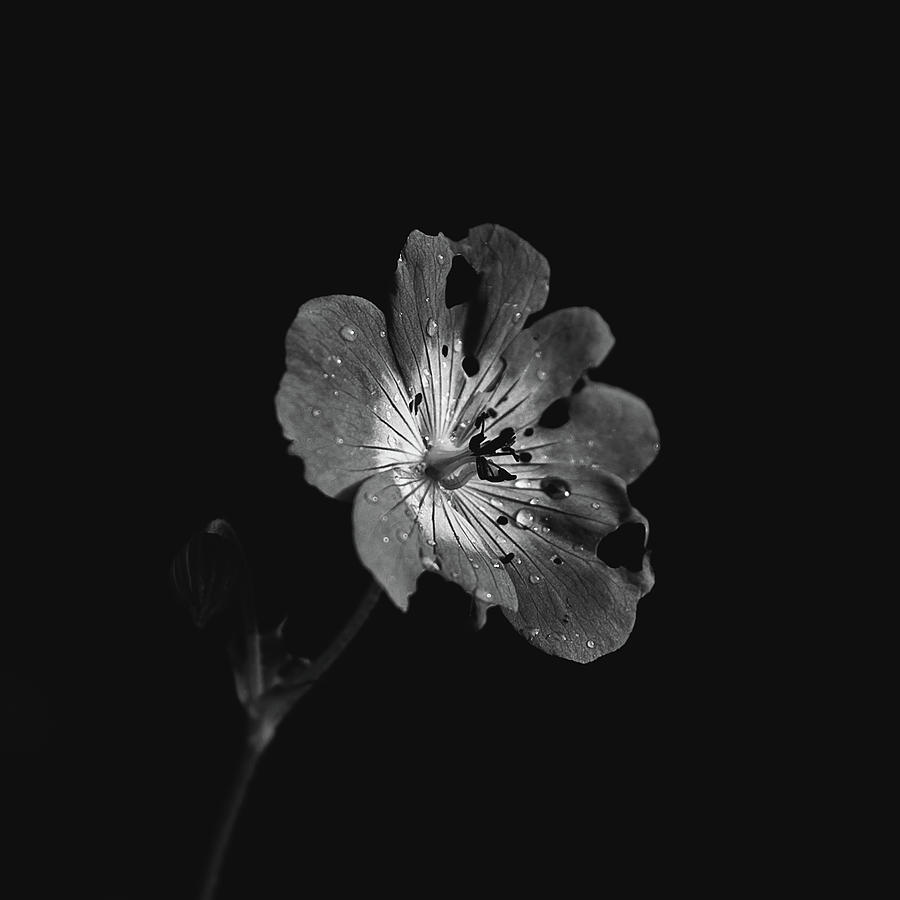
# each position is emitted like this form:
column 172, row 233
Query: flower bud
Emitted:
column 210, row 572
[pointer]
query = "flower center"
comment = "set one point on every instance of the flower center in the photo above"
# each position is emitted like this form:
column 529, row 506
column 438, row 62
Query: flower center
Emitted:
column 453, row 467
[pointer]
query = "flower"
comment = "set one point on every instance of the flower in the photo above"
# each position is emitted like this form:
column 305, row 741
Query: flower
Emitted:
column 431, row 415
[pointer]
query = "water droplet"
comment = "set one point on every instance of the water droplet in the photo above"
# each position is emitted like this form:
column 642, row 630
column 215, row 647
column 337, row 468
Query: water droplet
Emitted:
column 457, row 345
column 541, row 375
column 431, row 542
column 534, row 501
column 386, row 539
column 403, row 537
column 337, row 360
column 524, row 518
column 578, row 548
column 590, row 644
column 595, row 506
column 516, row 316
column 334, row 393
column 340, row 440
column 317, row 412
column 428, row 299
column 482, row 594
column 545, row 529
column 431, row 328
column 496, row 502
column 595, row 465
column 372, row 498
column 563, row 637
column 534, row 579
column 475, row 565
column 431, row 563
column 382, row 333
column 496, row 565
column 425, row 381
column 384, row 518
column 519, row 560
column 555, row 488
column 440, row 257
column 538, row 354
column 348, row 333
column 535, row 632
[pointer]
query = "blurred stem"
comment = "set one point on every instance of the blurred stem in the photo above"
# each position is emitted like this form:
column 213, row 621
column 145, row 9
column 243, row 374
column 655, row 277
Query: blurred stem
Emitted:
column 252, row 752
column 347, row 633
column 262, row 729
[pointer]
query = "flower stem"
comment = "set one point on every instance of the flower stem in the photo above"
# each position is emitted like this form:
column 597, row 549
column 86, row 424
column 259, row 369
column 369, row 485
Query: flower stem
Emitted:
column 347, row 633
column 252, row 752
column 262, row 730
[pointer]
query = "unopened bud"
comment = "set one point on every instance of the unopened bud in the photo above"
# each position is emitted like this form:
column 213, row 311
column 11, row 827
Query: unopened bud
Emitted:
column 210, row 573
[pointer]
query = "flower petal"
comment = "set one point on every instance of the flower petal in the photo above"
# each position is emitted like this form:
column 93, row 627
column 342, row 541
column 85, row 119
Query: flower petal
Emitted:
column 571, row 603
column 420, row 328
column 542, row 365
column 405, row 525
column 431, row 342
column 341, row 401
column 611, row 427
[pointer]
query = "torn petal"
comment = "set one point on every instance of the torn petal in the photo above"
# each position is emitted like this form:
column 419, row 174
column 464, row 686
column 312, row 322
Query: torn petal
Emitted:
column 544, row 362
column 553, row 519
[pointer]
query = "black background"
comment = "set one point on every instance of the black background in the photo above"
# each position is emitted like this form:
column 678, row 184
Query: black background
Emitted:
column 463, row 751
column 427, row 739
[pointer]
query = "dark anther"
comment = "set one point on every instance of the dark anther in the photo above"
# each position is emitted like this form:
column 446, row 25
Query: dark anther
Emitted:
column 491, row 412
column 416, row 402
column 506, row 560
column 475, row 442
column 525, row 457
column 507, row 436
column 481, row 467
column 528, row 432
column 502, row 520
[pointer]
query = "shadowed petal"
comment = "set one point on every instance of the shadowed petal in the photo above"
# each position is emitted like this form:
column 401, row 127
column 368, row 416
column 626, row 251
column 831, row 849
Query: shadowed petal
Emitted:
column 571, row 603
column 341, row 401
column 611, row 427
column 404, row 525
column 542, row 364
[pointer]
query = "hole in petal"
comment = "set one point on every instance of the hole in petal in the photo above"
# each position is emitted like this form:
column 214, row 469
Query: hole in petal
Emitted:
column 506, row 560
column 462, row 283
column 502, row 520
column 525, row 457
column 528, row 432
column 445, row 350
column 471, row 366
column 624, row 547
column 556, row 414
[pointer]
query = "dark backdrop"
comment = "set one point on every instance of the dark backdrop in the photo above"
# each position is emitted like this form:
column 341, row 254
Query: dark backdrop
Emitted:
column 471, row 754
